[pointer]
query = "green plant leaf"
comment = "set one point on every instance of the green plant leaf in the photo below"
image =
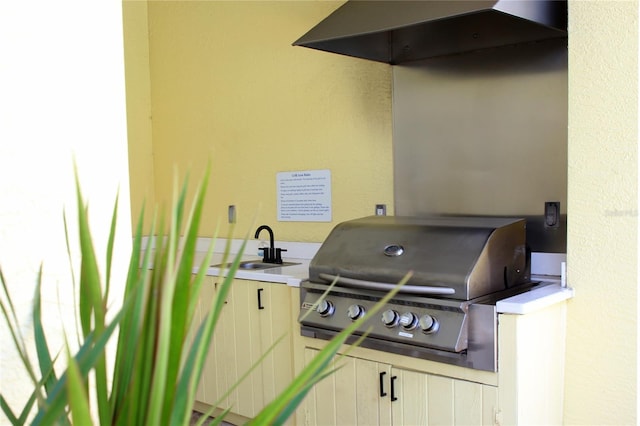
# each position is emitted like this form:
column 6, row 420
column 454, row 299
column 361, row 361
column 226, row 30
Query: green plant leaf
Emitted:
column 112, row 235
column 217, row 420
column 157, row 363
column 145, row 359
column 183, row 293
column 76, row 389
column 128, row 336
column 191, row 370
column 89, row 353
column 202, row 340
column 7, row 411
column 314, row 371
column 42, row 348
column 74, row 284
column 11, row 318
column 92, row 302
column 159, row 382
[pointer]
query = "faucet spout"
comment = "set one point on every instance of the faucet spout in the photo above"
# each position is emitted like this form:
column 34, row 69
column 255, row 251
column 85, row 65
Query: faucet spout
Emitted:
column 269, row 256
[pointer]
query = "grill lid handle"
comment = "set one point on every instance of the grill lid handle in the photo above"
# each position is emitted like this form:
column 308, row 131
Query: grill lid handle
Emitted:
column 373, row 285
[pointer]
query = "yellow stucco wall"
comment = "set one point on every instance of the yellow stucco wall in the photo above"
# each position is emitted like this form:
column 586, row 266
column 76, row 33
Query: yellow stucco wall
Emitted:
column 138, row 87
column 226, row 84
column 602, row 213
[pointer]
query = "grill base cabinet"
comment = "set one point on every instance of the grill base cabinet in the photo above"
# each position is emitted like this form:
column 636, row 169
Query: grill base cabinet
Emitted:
column 369, row 393
column 254, row 317
column 526, row 390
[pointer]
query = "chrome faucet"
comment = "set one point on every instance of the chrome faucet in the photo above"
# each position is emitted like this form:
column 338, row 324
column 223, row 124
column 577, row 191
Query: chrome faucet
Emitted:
column 272, row 254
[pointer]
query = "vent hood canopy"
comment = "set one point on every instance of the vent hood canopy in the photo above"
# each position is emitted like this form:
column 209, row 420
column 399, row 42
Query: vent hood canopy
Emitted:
column 403, row 31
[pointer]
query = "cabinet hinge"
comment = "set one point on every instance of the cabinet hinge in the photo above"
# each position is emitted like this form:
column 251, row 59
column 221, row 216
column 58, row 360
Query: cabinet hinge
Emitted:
column 497, row 418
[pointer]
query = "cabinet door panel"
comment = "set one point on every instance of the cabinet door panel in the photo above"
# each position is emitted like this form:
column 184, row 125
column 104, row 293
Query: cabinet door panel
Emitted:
column 489, row 405
column 467, row 403
column 197, row 320
column 308, row 407
column 411, row 389
column 371, row 408
column 349, row 396
column 324, row 398
column 345, row 391
column 440, row 399
column 243, row 332
column 214, row 381
column 275, row 324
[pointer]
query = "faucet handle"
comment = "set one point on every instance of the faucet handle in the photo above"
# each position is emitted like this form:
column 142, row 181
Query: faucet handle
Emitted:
column 266, row 258
column 278, row 258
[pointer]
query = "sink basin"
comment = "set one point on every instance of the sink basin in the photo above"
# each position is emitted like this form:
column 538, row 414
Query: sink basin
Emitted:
column 255, row 265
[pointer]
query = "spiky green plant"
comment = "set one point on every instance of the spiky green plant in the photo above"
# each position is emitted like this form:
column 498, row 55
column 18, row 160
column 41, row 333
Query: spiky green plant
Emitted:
column 157, row 364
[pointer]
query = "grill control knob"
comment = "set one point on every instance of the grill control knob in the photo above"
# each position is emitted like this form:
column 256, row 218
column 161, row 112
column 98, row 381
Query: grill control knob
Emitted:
column 355, row 311
column 325, row 308
column 390, row 318
column 408, row 321
column 428, row 324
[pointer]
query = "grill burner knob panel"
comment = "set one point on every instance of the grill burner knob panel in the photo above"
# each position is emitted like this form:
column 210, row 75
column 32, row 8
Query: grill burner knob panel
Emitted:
column 326, row 308
column 355, row 311
column 408, row 321
column 390, row 318
column 428, row 324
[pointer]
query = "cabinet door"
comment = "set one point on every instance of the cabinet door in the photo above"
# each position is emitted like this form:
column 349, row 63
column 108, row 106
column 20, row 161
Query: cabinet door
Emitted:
column 424, row 399
column 255, row 315
column 409, row 394
column 243, row 348
column 214, row 380
column 351, row 395
column 197, row 320
column 365, row 392
column 274, row 320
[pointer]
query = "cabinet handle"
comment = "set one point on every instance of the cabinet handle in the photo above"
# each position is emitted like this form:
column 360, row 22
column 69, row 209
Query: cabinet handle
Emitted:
column 382, row 392
column 260, row 298
column 393, row 388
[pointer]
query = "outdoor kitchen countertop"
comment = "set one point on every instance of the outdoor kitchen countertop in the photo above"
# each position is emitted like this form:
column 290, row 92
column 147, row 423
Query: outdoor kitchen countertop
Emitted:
column 549, row 292
column 291, row 275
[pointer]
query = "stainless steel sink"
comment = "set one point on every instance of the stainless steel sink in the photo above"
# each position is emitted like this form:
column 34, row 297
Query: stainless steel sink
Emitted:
column 255, row 265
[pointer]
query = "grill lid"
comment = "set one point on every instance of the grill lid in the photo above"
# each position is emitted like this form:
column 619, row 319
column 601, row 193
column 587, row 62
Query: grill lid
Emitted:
column 458, row 257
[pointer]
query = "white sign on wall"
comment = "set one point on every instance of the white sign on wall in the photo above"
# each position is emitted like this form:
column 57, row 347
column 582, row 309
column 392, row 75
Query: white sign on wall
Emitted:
column 304, row 196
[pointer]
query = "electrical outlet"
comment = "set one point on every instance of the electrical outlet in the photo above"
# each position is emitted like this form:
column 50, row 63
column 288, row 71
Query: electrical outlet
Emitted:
column 232, row 214
column 381, row 209
column 552, row 214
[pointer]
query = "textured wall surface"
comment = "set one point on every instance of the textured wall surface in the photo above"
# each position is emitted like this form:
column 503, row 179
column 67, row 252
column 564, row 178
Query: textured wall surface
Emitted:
column 63, row 98
column 227, row 85
column 138, row 87
column 602, row 213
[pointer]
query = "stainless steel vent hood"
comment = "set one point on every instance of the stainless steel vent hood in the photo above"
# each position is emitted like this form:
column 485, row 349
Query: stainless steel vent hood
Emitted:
column 403, row 31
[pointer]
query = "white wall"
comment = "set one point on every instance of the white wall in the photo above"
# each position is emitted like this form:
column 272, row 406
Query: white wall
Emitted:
column 602, row 240
column 61, row 97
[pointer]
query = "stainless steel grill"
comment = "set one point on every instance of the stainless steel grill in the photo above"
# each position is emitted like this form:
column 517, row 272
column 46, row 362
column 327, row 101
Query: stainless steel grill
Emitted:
column 446, row 312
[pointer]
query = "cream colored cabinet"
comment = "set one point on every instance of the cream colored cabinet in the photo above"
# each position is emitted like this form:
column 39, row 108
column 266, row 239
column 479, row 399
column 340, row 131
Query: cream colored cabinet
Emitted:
column 424, row 399
column 213, row 383
column 526, row 390
column 365, row 392
column 255, row 315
